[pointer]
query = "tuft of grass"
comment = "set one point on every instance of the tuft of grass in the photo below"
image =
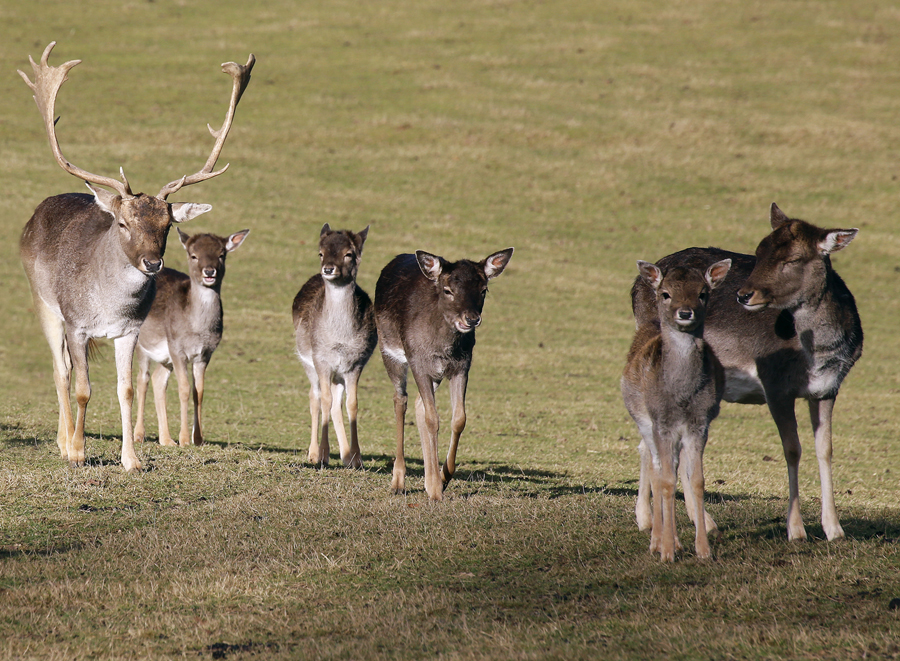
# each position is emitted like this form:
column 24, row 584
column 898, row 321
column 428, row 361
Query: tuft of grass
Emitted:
column 587, row 137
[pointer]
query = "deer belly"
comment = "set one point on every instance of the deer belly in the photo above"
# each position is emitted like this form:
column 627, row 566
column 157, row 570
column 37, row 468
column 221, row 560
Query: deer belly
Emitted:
column 743, row 386
column 157, row 351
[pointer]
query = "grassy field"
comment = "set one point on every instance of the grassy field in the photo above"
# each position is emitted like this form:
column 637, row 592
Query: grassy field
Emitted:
column 585, row 134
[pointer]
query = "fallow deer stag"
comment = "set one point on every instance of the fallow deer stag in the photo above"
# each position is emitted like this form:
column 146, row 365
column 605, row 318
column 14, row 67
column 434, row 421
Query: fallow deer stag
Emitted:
column 92, row 259
column 672, row 386
column 785, row 326
column 427, row 310
column 182, row 330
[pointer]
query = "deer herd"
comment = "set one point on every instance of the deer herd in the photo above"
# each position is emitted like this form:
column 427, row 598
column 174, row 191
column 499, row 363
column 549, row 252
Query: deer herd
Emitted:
column 710, row 325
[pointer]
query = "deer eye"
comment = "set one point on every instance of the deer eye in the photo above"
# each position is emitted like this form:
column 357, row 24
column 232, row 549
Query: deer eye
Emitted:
column 194, row 256
column 447, row 291
column 666, row 296
column 349, row 255
column 321, row 255
column 703, row 297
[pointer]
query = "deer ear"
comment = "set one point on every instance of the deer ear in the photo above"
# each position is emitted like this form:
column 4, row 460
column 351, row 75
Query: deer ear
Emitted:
column 836, row 240
column 183, row 237
column 494, row 264
column 650, row 272
column 105, row 199
column 777, row 218
column 361, row 239
column 325, row 229
column 431, row 265
column 183, row 211
column 716, row 273
column 235, row 240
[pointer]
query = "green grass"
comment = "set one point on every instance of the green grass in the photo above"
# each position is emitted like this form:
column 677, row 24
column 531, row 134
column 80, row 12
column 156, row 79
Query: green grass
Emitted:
column 587, row 135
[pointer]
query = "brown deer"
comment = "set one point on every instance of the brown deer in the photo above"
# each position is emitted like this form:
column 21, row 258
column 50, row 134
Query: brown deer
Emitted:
column 672, row 386
column 785, row 326
column 183, row 328
column 334, row 328
column 92, row 261
column 427, row 310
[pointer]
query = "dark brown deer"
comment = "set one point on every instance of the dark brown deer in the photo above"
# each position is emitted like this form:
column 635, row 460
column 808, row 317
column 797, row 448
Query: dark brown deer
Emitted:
column 672, row 386
column 92, row 260
column 334, row 328
column 427, row 310
column 785, row 326
column 183, row 329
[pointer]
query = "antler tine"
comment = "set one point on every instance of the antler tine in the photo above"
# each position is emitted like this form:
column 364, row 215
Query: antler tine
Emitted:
column 47, row 81
column 240, row 74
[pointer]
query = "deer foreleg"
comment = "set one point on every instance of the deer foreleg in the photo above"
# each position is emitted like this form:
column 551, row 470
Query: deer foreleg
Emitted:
column 457, row 424
column 337, row 419
column 820, row 412
column 179, row 366
column 429, row 426
column 397, row 372
column 325, row 399
column 199, row 381
column 143, row 380
column 693, row 484
column 124, row 358
column 160, row 380
column 354, row 457
column 786, row 420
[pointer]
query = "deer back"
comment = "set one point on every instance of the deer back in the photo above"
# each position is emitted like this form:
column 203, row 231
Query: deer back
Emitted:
column 799, row 344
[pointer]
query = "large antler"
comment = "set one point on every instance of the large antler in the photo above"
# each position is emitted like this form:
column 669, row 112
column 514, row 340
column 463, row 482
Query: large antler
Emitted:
column 241, row 76
column 47, row 81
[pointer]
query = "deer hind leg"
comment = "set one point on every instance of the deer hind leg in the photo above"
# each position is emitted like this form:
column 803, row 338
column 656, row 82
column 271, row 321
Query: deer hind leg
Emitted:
column 160, row 380
column 143, row 380
column 197, row 391
column 642, row 509
column 397, row 372
column 353, row 458
column 429, row 427
column 55, row 331
column 315, row 402
column 690, row 499
column 124, row 359
column 457, row 424
column 820, row 412
column 786, row 421
column 78, row 349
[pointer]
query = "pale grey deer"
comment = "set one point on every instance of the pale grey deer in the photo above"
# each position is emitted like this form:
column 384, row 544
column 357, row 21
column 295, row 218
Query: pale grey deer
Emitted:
column 181, row 332
column 785, row 327
column 335, row 334
column 92, row 262
column 672, row 386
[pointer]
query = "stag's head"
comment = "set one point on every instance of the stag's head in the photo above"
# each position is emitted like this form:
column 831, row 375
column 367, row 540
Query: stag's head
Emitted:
column 791, row 263
column 142, row 221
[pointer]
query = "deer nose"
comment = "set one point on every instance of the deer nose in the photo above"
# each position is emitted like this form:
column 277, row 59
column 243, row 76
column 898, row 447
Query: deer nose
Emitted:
column 153, row 266
column 685, row 314
column 209, row 273
column 327, row 270
column 473, row 320
column 743, row 297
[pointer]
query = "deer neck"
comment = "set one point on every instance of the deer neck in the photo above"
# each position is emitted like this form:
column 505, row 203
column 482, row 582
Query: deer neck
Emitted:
column 683, row 356
column 205, row 305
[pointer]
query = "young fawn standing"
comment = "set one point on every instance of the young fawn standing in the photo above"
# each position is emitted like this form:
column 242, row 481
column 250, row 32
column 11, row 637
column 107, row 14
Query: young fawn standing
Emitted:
column 92, row 262
column 183, row 328
column 427, row 310
column 785, row 326
column 335, row 333
column 672, row 386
